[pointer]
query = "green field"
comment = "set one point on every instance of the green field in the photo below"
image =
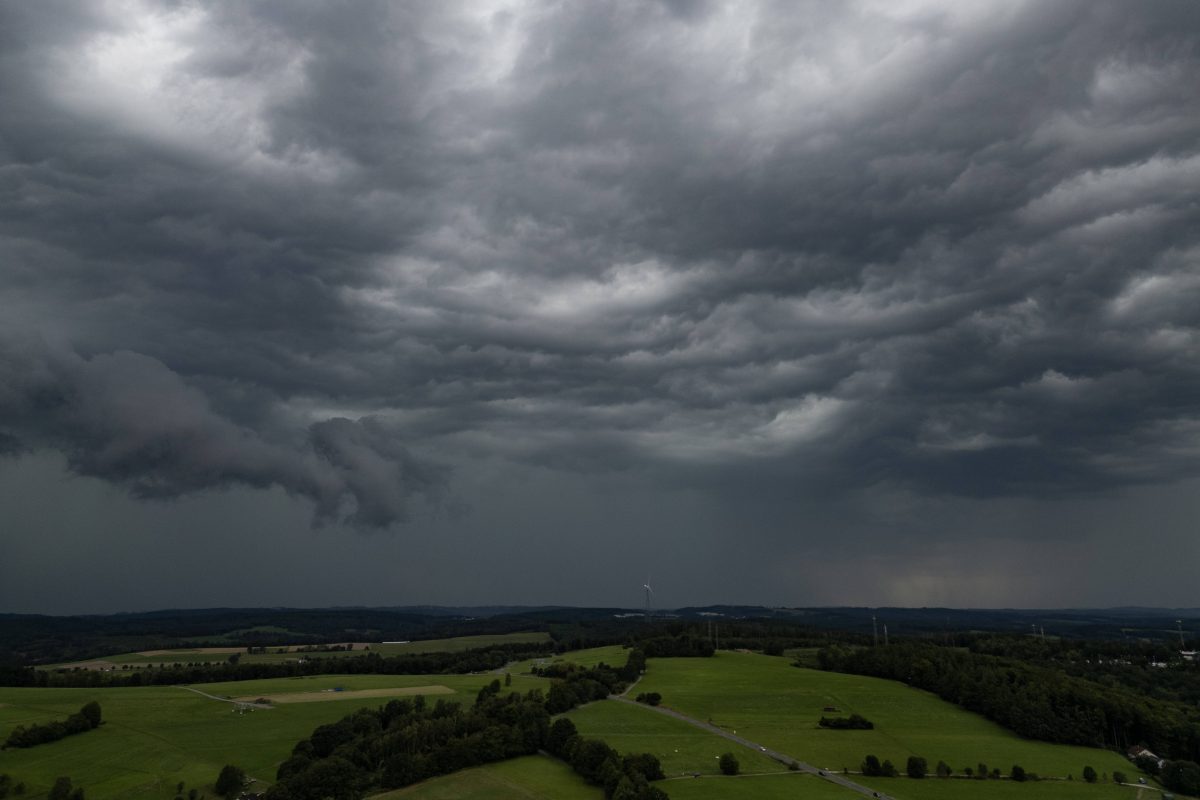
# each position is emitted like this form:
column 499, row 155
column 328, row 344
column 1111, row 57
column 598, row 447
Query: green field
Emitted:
column 789, row 786
column 956, row 789
column 154, row 737
column 528, row 778
column 613, row 655
column 680, row 747
column 769, row 701
column 282, row 653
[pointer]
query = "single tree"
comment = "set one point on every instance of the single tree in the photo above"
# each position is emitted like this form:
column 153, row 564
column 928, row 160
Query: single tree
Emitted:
column 729, row 764
column 981, row 771
column 1017, row 773
column 871, row 767
column 917, row 767
column 230, row 781
column 1089, row 774
column 943, row 770
column 61, row 790
column 91, row 713
column 1119, row 777
column 888, row 769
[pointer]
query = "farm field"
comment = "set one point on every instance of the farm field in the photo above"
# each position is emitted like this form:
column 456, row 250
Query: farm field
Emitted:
column 767, row 700
column 527, row 778
column 214, row 655
column 680, row 747
column 154, row 737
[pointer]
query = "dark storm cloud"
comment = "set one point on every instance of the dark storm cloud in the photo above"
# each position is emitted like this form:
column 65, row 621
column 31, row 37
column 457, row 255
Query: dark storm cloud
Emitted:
column 126, row 418
column 951, row 247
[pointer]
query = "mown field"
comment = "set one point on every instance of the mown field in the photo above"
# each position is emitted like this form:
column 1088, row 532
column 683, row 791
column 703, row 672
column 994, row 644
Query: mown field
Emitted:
column 154, row 737
column 215, row 655
column 528, row 778
column 767, row 700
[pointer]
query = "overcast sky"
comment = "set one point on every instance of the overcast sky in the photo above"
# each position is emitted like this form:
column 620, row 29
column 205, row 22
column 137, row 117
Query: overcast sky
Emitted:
column 520, row 302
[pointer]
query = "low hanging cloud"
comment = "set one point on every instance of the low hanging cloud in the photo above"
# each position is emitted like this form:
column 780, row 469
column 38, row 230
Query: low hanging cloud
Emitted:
column 127, row 419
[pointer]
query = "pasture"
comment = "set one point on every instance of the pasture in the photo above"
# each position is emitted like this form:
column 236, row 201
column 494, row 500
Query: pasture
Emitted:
column 769, row 701
column 154, row 737
column 680, row 747
column 527, row 778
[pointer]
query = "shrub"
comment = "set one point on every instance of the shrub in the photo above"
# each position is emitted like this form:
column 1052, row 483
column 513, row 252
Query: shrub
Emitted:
column 943, row 770
column 1089, row 774
column 1018, row 773
column 1119, row 777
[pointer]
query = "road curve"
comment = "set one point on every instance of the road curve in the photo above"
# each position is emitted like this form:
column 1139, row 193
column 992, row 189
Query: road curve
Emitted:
column 783, row 758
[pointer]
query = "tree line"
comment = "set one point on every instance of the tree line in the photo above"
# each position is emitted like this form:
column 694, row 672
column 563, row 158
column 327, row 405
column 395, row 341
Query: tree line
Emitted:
column 481, row 659
column 82, row 721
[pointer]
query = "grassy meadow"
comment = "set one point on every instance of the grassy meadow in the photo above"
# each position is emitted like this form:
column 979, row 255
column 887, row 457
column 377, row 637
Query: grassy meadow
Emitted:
column 154, row 737
column 528, row 778
column 767, row 700
column 680, row 747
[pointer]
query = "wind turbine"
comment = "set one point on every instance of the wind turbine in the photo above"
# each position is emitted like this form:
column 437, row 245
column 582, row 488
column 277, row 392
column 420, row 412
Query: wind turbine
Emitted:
column 649, row 592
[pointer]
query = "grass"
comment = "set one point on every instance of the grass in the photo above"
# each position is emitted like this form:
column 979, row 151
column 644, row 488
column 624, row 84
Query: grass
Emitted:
column 528, row 778
column 955, row 789
column 613, row 655
column 769, row 701
column 680, row 747
column 756, row 787
column 217, row 655
column 154, row 737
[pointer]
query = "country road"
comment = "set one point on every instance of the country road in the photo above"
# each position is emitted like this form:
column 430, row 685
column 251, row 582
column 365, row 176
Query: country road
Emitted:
column 226, row 699
column 783, row 758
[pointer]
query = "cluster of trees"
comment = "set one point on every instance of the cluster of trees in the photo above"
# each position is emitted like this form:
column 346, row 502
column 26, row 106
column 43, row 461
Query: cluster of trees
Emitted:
column 622, row 777
column 649, row 698
column 578, row 685
column 8, row 786
column 407, row 741
column 854, row 722
column 1036, row 702
column 86, row 719
column 1180, row 776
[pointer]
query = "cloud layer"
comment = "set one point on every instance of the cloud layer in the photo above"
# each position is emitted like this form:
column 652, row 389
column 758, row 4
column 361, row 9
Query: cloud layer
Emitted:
column 942, row 248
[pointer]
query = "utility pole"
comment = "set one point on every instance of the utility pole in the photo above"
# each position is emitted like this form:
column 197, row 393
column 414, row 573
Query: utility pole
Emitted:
column 875, row 630
column 1042, row 628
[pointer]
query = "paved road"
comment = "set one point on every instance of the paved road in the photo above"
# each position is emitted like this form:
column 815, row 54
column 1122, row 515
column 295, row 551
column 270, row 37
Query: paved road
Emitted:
column 225, row 699
column 783, row 758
